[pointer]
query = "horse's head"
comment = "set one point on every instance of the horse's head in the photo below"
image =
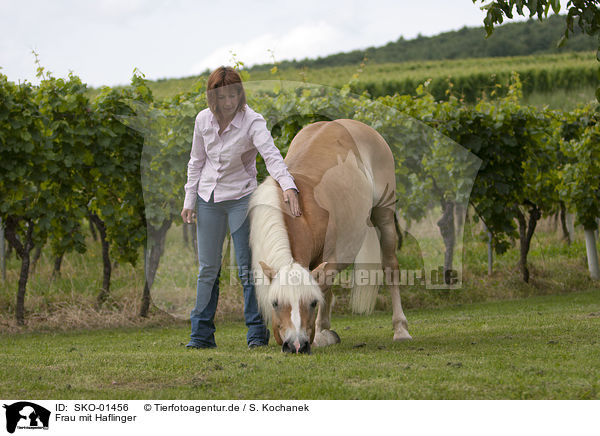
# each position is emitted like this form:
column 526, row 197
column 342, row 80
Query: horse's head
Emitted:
column 292, row 298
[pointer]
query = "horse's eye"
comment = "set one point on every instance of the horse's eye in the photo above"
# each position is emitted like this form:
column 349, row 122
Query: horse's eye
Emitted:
column 275, row 305
column 314, row 304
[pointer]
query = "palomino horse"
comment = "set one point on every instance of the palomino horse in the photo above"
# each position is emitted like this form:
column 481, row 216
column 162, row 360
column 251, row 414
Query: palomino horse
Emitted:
column 344, row 171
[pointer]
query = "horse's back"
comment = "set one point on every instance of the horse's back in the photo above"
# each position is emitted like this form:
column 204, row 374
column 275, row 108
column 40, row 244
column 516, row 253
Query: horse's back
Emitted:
column 323, row 146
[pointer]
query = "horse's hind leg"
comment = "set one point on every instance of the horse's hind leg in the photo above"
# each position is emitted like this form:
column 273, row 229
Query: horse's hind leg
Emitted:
column 323, row 335
column 383, row 219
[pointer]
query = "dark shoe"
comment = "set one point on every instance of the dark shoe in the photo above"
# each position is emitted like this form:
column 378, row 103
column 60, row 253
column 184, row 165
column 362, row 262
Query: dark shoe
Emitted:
column 256, row 345
column 199, row 345
column 263, row 343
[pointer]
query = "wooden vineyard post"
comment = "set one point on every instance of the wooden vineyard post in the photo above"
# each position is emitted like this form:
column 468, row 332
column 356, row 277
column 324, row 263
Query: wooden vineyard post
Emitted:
column 592, row 253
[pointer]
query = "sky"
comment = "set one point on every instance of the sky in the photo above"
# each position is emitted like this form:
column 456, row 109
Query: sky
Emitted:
column 102, row 41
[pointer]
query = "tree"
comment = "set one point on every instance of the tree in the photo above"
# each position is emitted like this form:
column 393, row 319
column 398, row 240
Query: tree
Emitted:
column 112, row 180
column 43, row 132
column 167, row 128
column 586, row 12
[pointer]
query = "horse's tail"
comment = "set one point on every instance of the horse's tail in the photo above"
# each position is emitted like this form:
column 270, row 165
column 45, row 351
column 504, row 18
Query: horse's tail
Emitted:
column 398, row 232
column 368, row 274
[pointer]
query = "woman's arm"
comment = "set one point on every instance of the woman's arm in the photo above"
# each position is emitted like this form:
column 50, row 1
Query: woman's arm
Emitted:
column 195, row 166
column 263, row 141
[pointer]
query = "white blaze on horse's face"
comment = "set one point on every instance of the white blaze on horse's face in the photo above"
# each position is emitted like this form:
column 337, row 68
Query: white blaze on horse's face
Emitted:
column 294, row 296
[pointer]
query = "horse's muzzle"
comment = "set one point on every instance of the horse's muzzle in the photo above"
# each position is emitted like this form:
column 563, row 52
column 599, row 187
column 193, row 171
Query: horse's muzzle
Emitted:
column 296, row 347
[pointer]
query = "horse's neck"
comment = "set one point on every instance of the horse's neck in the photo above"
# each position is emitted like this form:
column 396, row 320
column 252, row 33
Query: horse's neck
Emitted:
column 306, row 232
column 300, row 239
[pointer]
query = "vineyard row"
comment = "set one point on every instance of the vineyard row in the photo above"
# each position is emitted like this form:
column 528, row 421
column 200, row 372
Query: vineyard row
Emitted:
column 119, row 160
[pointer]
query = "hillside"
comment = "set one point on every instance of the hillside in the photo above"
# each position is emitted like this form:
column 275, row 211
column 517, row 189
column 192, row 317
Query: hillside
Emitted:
column 511, row 39
column 561, row 80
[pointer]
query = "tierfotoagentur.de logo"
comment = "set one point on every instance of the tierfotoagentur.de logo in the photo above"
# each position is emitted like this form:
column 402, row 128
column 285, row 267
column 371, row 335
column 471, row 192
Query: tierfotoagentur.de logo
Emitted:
column 26, row 416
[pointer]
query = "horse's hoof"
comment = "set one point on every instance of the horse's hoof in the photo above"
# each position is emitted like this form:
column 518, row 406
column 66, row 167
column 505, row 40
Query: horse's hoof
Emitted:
column 402, row 336
column 336, row 337
column 326, row 337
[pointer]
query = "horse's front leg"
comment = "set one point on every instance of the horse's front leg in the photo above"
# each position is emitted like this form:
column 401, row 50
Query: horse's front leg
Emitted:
column 323, row 335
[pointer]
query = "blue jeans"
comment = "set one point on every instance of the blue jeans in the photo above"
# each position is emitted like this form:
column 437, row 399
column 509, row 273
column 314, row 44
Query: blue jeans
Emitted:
column 211, row 221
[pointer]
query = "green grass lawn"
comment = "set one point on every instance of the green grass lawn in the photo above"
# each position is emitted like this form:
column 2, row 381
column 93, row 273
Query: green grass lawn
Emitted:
column 542, row 347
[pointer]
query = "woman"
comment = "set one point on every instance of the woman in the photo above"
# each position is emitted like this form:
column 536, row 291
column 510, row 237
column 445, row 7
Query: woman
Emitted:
column 221, row 177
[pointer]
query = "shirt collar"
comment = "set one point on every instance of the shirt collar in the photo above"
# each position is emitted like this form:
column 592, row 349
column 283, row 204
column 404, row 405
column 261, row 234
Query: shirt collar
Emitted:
column 236, row 122
column 239, row 116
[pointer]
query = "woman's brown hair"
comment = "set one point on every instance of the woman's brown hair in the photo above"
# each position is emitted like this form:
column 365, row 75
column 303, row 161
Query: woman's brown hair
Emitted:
column 224, row 76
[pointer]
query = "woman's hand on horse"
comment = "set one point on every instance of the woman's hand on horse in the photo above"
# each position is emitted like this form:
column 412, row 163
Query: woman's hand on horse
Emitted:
column 188, row 215
column 290, row 196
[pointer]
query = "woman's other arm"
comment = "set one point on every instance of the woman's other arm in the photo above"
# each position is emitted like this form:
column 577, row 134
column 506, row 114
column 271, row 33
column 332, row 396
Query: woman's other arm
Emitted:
column 263, row 141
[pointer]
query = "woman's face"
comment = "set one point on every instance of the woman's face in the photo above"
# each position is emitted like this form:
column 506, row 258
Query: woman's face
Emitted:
column 228, row 100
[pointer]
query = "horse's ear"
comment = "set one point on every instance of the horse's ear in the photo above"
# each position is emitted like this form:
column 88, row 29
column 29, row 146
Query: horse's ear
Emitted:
column 269, row 272
column 319, row 273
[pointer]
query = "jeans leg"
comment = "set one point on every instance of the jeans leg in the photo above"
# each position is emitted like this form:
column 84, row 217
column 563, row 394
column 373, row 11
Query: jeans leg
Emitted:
column 203, row 315
column 239, row 225
column 211, row 226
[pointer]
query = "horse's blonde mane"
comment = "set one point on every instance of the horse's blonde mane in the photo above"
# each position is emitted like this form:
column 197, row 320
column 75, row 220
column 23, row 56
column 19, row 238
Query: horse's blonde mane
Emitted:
column 269, row 243
column 269, row 240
